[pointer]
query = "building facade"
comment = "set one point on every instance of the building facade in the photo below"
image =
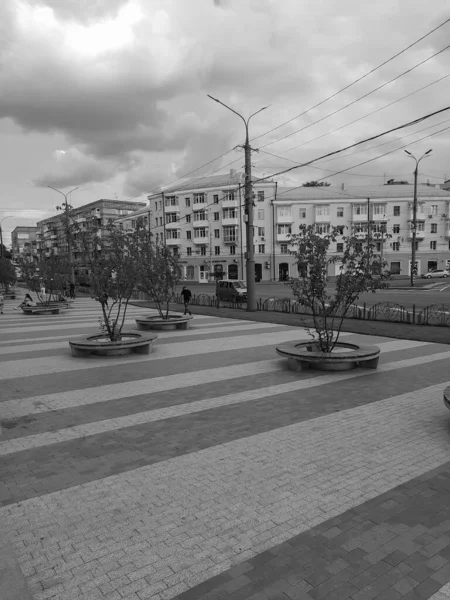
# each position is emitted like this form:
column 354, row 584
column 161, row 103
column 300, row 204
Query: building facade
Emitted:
column 23, row 243
column 51, row 236
column 204, row 222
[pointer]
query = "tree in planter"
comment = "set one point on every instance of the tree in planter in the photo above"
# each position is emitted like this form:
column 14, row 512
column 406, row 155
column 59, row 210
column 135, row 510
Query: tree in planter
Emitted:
column 361, row 271
column 7, row 274
column 159, row 271
column 52, row 272
column 110, row 259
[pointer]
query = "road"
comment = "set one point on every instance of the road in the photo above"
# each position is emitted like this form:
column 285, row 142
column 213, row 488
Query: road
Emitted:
column 440, row 294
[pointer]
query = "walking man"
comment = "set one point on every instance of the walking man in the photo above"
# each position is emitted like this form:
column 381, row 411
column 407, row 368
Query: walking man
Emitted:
column 72, row 289
column 186, row 294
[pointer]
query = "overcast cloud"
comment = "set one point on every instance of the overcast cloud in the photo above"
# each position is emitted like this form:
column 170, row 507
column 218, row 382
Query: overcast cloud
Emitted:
column 112, row 95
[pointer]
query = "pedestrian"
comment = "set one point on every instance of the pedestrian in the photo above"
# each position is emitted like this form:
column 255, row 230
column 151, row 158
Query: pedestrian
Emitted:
column 187, row 295
column 27, row 301
column 43, row 293
column 72, row 289
column 2, row 303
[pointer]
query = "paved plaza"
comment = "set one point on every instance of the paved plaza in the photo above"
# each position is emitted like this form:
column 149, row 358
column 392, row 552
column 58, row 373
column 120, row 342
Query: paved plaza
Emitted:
column 207, row 470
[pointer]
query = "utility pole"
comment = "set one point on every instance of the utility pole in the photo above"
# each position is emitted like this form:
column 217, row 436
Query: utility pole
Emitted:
column 413, row 270
column 250, row 255
column 1, row 233
column 66, row 207
column 368, row 234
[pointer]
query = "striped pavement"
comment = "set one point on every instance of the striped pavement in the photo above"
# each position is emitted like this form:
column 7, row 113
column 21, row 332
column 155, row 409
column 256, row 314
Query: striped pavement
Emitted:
column 201, row 470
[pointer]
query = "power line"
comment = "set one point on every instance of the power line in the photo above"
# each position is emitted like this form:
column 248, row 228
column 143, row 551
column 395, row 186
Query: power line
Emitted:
column 358, row 99
column 364, row 116
column 356, row 80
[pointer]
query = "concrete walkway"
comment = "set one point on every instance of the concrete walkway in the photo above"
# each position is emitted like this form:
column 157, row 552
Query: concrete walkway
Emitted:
column 207, row 470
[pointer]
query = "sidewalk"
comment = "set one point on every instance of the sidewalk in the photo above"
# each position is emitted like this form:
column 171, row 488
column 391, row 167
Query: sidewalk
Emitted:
column 209, row 471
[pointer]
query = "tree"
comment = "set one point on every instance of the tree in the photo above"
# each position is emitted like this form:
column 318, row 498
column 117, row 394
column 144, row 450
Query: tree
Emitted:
column 159, row 271
column 361, row 271
column 7, row 274
column 113, row 272
column 51, row 272
column 316, row 184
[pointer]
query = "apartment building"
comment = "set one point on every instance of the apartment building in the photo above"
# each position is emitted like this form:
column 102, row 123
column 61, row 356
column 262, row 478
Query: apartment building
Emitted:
column 51, row 237
column 23, row 240
column 386, row 209
column 203, row 221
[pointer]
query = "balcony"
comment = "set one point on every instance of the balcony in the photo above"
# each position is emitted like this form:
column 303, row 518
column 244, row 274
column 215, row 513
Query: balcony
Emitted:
column 229, row 203
column 420, row 216
column 284, row 237
column 420, row 235
column 173, row 225
column 231, row 239
column 230, row 221
column 359, row 217
column 199, row 206
column 199, row 239
column 174, row 241
column 287, row 219
column 361, row 235
column 172, row 209
column 80, row 220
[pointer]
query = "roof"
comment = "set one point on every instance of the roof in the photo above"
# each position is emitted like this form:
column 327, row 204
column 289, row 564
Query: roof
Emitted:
column 350, row 193
column 119, row 204
column 213, row 181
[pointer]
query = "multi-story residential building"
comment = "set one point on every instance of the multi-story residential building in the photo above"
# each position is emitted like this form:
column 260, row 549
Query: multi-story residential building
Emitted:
column 51, row 237
column 203, row 220
column 386, row 209
column 23, row 241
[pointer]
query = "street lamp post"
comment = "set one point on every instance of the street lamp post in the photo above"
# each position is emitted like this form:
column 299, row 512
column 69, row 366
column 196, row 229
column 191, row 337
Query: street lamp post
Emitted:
column 414, row 220
column 1, row 234
column 250, row 255
column 66, row 208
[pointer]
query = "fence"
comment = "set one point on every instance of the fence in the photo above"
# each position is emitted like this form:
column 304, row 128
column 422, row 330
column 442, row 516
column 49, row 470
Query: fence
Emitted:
column 435, row 314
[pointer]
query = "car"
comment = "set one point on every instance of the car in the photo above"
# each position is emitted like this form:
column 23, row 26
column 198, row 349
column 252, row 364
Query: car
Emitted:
column 232, row 290
column 436, row 273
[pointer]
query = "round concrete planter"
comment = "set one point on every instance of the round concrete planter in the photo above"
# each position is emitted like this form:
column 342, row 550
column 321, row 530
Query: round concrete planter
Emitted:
column 101, row 345
column 155, row 322
column 306, row 355
column 40, row 310
column 53, row 304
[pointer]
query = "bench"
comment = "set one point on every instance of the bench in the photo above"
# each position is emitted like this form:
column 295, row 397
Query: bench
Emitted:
column 40, row 310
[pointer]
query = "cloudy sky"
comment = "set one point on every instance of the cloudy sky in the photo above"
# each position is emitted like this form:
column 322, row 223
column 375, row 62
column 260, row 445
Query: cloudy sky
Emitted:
column 111, row 95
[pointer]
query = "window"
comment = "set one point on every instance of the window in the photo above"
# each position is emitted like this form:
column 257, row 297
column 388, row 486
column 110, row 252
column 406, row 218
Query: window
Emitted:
column 156, row 206
column 421, row 226
column 261, row 231
column 170, row 218
column 396, row 229
column 284, row 248
column 360, row 209
column 160, row 221
column 433, row 227
column 217, row 250
column 339, row 247
column 323, row 211
column 260, row 196
column 434, row 209
column 200, row 233
column 284, row 211
column 188, row 235
column 199, row 198
column 217, row 233
column 396, row 211
column 171, row 201
column 175, row 251
column 261, row 248
column 188, row 218
column 322, row 228
column 340, row 211
column 417, row 245
column 200, row 216
column 232, row 249
column 395, row 268
column 284, row 229
column 379, row 209
column 203, row 250
column 378, row 246
column 189, row 251
column 230, row 233
column 229, row 213
column 187, row 201
column 340, row 230
column 173, row 234
column 133, row 224
column 395, row 246
column 302, row 212
column 432, row 245
column 261, row 214
column 216, row 216
column 229, row 195
column 216, row 198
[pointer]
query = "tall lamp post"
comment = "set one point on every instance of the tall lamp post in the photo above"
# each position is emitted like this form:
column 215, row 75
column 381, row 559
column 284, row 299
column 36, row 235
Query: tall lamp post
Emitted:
column 250, row 255
column 414, row 219
column 1, row 234
column 66, row 208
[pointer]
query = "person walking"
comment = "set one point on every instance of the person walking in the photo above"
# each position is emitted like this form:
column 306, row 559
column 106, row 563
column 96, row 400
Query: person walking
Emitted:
column 187, row 295
column 2, row 303
column 72, row 289
column 43, row 293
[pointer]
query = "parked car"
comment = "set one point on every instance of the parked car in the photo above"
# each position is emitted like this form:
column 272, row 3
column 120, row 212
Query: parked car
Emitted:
column 232, row 290
column 436, row 273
